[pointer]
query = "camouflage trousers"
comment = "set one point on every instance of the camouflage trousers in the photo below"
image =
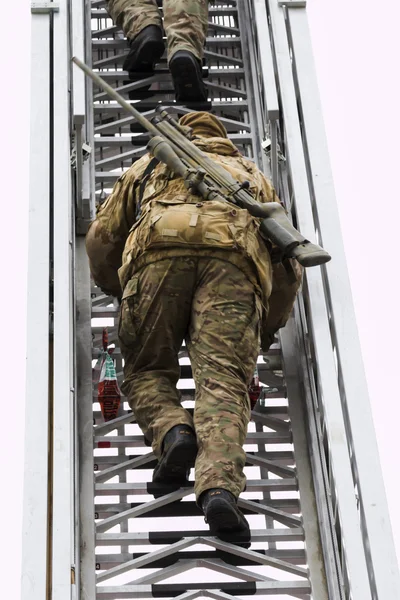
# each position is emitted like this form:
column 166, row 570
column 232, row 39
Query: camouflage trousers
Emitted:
column 185, row 21
column 213, row 306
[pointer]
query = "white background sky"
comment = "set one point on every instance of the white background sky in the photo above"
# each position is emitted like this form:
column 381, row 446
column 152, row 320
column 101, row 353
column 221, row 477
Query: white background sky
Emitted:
column 357, row 53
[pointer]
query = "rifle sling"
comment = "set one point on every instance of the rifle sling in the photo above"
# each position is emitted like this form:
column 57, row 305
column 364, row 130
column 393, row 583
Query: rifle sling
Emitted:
column 145, row 178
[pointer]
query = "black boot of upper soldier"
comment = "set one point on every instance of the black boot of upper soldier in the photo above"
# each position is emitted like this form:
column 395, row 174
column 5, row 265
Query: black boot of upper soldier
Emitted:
column 187, row 77
column 178, row 457
column 224, row 518
column 145, row 49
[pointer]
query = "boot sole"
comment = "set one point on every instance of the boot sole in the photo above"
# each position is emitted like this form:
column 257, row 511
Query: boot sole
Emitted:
column 225, row 523
column 179, row 458
column 187, row 80
column 143, row 59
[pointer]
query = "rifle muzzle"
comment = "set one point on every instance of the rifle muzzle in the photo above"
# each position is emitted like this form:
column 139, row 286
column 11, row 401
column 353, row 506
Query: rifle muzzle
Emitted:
column 165, row 154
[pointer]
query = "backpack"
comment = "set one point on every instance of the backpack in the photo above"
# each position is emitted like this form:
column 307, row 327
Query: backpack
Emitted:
column 286, row 281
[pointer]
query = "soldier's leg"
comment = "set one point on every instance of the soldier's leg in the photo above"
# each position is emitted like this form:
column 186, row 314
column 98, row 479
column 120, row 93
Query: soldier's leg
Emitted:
column 155, row 312
column 224, row 339
column 134, row 15
column 141, row 22
column 224, row 343
column 185, row 23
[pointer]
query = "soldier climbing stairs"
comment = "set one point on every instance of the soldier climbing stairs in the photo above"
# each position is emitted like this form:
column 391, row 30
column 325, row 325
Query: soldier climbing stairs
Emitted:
column 308, row 498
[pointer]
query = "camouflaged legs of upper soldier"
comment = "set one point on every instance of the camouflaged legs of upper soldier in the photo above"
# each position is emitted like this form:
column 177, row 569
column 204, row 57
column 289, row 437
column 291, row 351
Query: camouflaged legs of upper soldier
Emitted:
column 185, row 24
column 219, row 506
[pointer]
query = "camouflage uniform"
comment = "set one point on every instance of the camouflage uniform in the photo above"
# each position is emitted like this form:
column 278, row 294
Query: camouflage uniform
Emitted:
column 213, row 306
column 185, row 21
column 193, row 270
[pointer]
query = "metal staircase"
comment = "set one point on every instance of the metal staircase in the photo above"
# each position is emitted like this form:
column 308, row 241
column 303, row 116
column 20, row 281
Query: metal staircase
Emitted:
column 93, row 529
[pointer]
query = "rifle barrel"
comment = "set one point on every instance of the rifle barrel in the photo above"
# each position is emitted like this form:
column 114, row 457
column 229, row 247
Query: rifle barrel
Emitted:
column 111, row 92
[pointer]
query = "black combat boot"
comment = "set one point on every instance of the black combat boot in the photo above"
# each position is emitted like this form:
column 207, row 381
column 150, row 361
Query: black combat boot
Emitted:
column 187, row 77
column 224, row 517
column 145, row 50
column 179, row 453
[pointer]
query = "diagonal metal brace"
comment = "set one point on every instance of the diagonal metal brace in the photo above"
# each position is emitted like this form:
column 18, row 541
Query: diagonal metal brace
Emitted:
column 44, row 7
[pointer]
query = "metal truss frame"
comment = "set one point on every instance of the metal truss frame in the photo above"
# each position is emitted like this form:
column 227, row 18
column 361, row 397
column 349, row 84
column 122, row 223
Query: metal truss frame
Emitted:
column 330, row 313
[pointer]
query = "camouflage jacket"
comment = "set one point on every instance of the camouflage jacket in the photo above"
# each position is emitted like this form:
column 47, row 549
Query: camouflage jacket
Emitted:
column 174, row 222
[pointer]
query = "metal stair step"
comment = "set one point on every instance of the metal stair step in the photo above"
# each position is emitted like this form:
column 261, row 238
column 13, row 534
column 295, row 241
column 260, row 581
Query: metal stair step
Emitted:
column 212, row 58
column 251, row 438
column 291, row 556
column 186, row 509
column 170, row 537
column 236, row 589
column 112, row 489
column 108, row 107
column 211, row 42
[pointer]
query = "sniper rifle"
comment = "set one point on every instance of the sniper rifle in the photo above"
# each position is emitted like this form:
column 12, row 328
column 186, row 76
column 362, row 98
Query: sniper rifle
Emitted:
column 169, row 144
